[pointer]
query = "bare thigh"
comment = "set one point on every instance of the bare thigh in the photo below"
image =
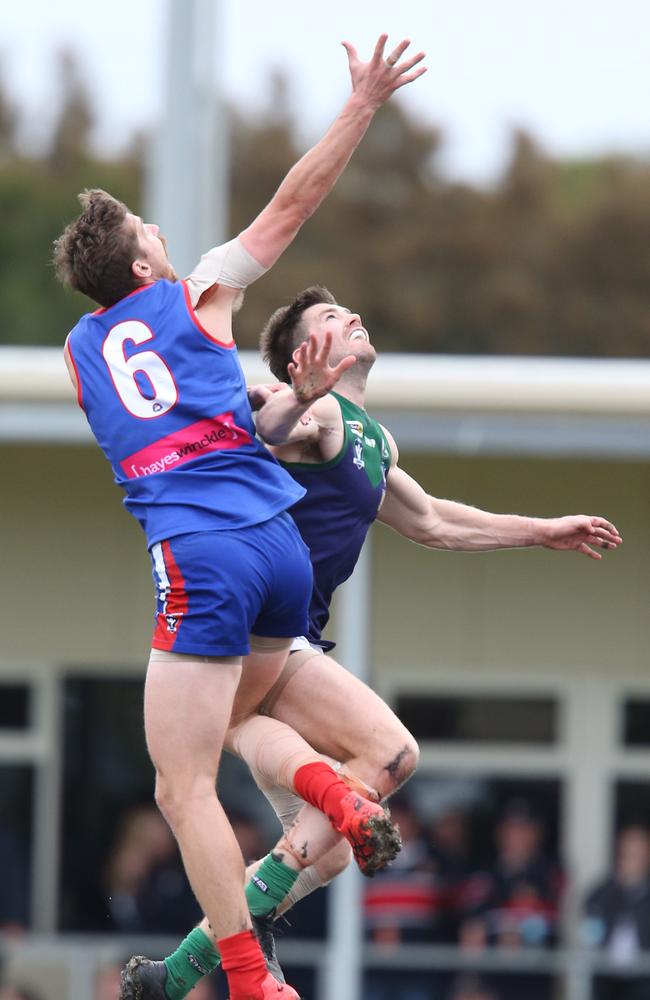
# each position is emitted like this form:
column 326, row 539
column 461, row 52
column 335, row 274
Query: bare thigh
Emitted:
column 187, row 707
column 260, row 671
column 342, row 717
column 188, row 704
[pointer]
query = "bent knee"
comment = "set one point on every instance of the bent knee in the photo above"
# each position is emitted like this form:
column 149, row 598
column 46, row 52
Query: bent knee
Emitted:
column 398, row 765
column 175, row 798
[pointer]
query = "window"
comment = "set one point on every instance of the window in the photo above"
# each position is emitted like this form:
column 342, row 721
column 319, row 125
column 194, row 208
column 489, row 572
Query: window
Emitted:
column 15, row 704
column 479, row 718
column 16, row 788
column 632, row 804
column 636, row 722
column 125, row 872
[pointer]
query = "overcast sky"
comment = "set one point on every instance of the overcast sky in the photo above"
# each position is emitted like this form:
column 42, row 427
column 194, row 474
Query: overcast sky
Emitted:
column 574, row 72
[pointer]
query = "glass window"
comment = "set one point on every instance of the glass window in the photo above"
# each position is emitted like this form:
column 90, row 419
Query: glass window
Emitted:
column 125, row 873
column 106, row 772
column 481, row 801
column 632, row 803
column 636, row 722
column 16, row 789
column 15, row 700
column 479, row 865
column 485, row 718
column 616, row 908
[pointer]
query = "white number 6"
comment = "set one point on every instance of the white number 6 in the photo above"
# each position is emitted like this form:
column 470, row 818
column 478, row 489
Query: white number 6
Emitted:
column 164, row 393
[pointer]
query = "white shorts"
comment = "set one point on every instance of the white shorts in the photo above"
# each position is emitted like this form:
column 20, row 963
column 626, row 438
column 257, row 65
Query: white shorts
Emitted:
column 301, row 642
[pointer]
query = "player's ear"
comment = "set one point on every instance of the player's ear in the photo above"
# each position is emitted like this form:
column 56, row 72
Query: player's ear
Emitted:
column 141, row 269
column 294, row 356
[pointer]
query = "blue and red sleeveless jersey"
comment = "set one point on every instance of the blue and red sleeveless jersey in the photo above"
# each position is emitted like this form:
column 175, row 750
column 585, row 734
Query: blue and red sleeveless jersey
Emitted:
column 342, row 499
column 169, row 408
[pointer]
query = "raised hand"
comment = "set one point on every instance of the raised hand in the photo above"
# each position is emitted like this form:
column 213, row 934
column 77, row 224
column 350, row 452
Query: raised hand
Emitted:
column 376, row 80
column 580, row 532
column 311, row 374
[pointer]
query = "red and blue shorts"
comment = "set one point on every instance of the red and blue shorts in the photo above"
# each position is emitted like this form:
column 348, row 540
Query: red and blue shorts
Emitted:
column 215, row 588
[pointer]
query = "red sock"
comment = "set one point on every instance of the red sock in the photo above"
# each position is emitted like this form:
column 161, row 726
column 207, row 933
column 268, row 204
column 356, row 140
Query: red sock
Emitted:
column 320, row 785
column 243, row 962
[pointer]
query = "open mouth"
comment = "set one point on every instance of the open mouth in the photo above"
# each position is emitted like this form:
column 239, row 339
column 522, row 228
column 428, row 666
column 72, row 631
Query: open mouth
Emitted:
column 359, row 334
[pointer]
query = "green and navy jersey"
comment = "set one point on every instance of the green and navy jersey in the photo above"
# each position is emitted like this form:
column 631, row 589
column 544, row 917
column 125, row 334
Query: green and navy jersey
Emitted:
column 342, row 499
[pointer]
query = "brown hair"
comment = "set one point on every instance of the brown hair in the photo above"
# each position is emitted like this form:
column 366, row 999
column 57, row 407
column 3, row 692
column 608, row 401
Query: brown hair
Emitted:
column 283, row 331
column 94, row 253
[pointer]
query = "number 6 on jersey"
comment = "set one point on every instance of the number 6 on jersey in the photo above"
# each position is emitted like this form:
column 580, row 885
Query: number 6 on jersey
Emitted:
column 162, row 394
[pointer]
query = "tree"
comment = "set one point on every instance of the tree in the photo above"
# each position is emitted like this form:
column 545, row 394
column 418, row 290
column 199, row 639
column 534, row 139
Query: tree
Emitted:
column 70, row 140
column 554, row 259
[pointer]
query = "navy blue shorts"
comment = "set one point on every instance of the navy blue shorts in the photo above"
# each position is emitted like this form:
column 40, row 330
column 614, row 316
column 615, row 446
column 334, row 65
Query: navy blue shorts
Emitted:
column 215, row 588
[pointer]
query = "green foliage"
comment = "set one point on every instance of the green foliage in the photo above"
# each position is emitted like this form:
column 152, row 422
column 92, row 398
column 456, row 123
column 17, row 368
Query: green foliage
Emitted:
column 35, row 205
column 38, row 196
column 555, row 259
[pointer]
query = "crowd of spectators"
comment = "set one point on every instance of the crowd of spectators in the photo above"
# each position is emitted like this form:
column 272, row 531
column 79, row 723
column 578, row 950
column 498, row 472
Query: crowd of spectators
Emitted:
column 435, row 891
column 480, row 887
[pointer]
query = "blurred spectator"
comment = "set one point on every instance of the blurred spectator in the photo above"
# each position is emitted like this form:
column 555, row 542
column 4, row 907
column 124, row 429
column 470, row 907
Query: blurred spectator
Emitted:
column 450, row 844
column 617, row 915
column 516, row 902
column 402, row 904
column 146, row 885
column 450, row 848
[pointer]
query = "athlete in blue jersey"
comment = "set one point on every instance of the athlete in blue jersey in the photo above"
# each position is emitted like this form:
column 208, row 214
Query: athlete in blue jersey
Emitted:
column 157, row 375
column 348, row 466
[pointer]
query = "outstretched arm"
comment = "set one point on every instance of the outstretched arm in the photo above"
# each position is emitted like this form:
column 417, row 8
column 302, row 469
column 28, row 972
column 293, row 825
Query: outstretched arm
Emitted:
column 444, row 524
column 314, row 176
column 222, row 273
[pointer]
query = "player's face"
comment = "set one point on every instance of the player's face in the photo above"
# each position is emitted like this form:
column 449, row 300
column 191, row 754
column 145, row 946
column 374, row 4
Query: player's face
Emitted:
column 152, row 248
column 349, row 336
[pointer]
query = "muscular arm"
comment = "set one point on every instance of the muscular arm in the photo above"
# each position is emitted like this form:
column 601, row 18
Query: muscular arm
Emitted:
column 278, row 422
column 313, row 177
column 311, row 432
column 307, row 184
column 444, row 524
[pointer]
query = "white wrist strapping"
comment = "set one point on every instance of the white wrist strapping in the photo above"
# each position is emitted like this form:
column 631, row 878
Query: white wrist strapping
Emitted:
column 230, row 265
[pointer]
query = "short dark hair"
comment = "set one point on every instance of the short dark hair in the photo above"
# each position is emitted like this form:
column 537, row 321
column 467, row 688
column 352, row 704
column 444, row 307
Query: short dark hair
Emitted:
column 283, row 331
column 95, row 251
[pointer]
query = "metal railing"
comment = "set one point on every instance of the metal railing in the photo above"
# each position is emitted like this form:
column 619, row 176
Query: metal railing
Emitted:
column 64, row 967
